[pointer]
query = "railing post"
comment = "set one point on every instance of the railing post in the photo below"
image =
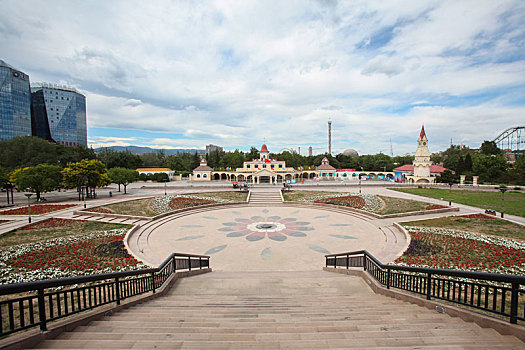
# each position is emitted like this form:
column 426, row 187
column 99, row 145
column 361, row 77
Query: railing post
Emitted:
column 189, row 263
column 364, row 261
column 117, row 290
column 347, row 261
column 174, row 262
column 387, row 277
column 200, row 263
column 326, row 261
column 514, row 303
column 153, row 282
column 42, row 310
column 429, row 285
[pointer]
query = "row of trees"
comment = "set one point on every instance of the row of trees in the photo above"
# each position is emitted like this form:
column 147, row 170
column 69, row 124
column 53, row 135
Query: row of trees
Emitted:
column 488, row 163
column 88, row 174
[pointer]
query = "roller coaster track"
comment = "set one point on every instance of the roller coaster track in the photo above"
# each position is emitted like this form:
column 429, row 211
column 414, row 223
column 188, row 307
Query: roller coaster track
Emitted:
column 512, row 138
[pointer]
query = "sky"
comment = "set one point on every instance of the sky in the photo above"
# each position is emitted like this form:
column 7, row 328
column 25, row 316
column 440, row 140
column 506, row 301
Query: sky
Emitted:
column 184, row 74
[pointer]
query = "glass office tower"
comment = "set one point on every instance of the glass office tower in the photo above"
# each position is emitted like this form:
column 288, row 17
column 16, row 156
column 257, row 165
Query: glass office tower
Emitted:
column 15, row 102
column 59, row 114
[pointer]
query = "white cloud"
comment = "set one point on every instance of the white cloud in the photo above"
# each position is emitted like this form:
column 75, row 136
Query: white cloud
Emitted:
column 235, row 73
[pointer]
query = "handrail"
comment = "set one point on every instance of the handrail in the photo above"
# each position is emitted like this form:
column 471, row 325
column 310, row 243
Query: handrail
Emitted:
column 23, row 312
column 470, row 288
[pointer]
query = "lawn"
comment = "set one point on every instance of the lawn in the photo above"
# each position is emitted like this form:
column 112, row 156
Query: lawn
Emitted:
column 377, row 204
column 54, row 228
column 57, row 248
column 514, row 201
column 139, row 207
column 479, row 223
column 150, row 207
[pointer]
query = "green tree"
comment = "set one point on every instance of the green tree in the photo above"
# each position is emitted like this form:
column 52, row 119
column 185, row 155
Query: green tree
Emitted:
column 232, row 160
column 88, row 172
column 123, row 176
column 447, row 177
column 39, row 179
column 489, row 147
column 20, row 152
column 214, row 158
column 124, row 159
column 490, row 168
column 253, row 154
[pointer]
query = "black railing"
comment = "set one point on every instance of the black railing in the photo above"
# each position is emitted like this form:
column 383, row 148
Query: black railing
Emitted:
column 40, row 302
column 495, row 293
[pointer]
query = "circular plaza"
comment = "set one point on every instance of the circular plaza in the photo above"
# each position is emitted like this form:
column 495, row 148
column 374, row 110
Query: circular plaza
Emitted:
column 264, row 237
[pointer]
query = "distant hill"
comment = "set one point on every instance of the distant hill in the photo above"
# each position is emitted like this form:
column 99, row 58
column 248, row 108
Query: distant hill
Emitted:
column 142, row 150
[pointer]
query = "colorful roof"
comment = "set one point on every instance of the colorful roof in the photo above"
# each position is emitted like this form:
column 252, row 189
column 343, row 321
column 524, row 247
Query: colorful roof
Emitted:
column 264, row 149
column 434, row 169
column 422, row 133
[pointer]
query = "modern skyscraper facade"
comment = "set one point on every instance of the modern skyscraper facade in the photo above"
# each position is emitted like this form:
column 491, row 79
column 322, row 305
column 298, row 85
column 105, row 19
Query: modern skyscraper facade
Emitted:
column 59, row 113
column 15, row 103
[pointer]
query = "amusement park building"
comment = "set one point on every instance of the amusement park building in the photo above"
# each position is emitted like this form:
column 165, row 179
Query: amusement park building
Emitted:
column 267, row 170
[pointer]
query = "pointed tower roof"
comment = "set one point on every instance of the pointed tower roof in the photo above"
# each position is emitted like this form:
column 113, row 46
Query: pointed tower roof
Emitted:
column 264, row 148
column 422, row 133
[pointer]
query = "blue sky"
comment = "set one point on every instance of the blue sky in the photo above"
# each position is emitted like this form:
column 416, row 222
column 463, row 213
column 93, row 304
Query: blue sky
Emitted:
column 183, row 74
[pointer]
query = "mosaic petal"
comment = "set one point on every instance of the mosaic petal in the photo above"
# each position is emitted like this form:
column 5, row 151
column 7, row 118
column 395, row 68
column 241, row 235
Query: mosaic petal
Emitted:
column 279, row 238
column 215, row 249
column 236, row 212
column 187, row 238
column 295, row 212
column 235, row 234
column 266, row 254
column 340, row 224
column 253, row 238
column 274, row 217
column 306, row 228
column 343, row 237
column 241, row 219
column 257, row 218
column 302, row 223
column 297, row 234
column 226, row 229
column 229, row 223
column 209, row 218
column 318, row 249
column 290, row 219
column 321, row 216
column 265, row 211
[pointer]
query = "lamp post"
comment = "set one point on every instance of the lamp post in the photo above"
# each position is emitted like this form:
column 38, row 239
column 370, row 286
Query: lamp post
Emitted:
column 450, row 194
column 503, row 189
column 164, row 188
column 28, row 195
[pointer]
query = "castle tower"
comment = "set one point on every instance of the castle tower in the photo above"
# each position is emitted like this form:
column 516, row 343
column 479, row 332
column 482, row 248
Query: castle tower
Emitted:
column 422, row 161
column 263, row 153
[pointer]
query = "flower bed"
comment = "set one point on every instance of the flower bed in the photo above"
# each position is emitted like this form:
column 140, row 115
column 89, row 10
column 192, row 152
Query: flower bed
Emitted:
column 168, row 203
column 355, row 200
column 478, row 216
column 37, row 209
column 97, row 252
column 435, row 206
column 347, row 201
column 449, row 249
column 50, row 223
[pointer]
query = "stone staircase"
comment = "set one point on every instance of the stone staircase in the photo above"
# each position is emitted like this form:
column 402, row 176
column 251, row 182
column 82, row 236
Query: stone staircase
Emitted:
column 278, row 310
column 265, row 197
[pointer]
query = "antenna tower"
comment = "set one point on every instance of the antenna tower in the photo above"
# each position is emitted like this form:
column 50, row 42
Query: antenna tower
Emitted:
column 329, row 136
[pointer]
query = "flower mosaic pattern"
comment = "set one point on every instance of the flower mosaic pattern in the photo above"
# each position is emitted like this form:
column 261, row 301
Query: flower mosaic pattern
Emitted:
column 275, row 228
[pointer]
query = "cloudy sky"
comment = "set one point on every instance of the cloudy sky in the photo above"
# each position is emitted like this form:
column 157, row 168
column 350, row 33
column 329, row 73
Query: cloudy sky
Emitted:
column 171, row 74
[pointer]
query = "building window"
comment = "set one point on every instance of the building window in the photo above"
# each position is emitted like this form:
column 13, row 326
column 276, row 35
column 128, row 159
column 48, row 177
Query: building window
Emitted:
column 272, row 166
column 247, row 166
column 264, row 166
column 204, row 175
column 198, row 176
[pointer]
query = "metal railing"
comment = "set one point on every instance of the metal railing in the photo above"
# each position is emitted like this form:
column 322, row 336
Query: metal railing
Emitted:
column 40, row 302
column 491, row 292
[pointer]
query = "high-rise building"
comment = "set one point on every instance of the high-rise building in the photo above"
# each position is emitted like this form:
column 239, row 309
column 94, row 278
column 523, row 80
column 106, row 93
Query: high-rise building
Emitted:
column 212, row 148
column 59, row 114
column 15, row 103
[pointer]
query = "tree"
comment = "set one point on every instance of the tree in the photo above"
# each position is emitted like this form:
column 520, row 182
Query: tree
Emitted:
column 232, row 160
column 447, row 177
column 38, row 179
column 253, row 154
column 91, row 173
column 490, row 168
column 489, row 147
column 124, row 159
column 468, row 163
column 123, row 176
column 26, row 151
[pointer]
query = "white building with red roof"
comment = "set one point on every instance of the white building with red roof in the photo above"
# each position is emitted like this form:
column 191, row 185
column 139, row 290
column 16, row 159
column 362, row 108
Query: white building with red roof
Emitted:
column 422, row 170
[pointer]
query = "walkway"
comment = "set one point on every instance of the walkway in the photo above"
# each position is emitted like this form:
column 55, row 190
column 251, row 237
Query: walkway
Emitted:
column 278, row 310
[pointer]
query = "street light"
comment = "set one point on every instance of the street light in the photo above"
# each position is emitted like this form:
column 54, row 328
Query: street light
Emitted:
column 450, row 194
column 28, row 195
column 503, row 189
